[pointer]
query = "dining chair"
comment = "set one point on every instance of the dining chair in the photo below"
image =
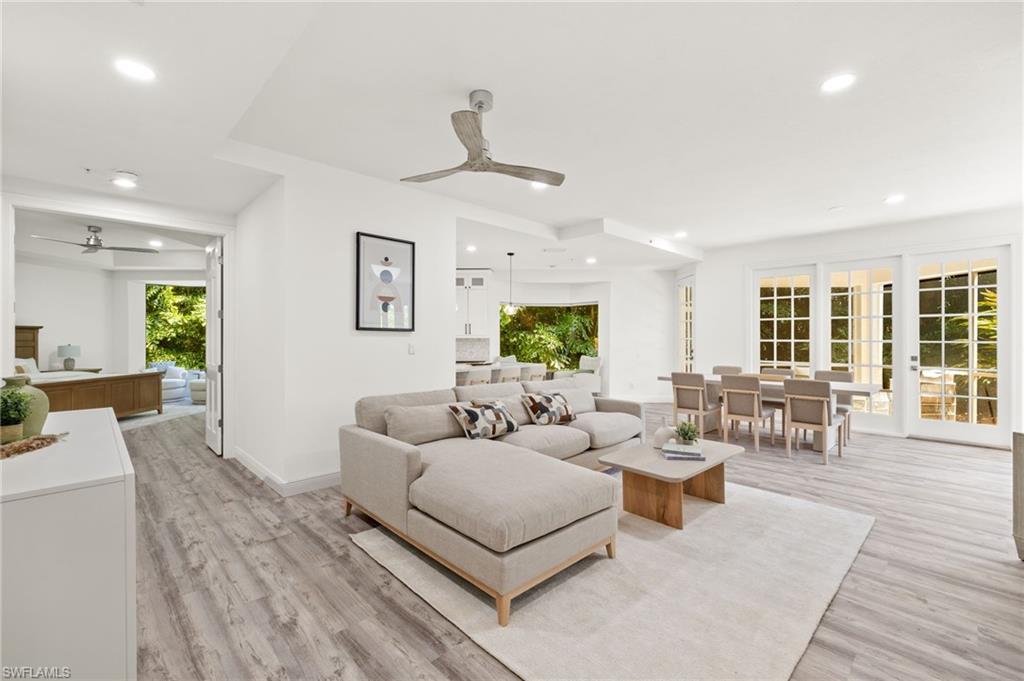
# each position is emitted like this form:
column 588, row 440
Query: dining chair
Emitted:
column 690, row 397
column 844, row 403
column 726, row 370
column 478, row 376
column 809, row 405
column 507, row 375
column 741, row 402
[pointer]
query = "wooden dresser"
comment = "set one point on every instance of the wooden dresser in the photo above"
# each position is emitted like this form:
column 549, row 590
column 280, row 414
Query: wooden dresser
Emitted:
column 26, row 342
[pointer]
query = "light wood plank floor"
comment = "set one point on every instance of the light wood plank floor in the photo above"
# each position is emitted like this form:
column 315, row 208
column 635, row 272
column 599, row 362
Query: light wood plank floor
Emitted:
column 238, row 583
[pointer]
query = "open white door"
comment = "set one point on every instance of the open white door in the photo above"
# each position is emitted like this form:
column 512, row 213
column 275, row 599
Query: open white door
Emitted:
column 214, row 346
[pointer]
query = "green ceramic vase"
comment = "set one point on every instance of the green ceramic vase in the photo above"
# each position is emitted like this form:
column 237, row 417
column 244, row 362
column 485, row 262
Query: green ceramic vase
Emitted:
column 40, row 404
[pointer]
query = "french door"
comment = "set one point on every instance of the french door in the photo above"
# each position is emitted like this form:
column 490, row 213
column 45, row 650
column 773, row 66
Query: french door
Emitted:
column 959, row 354
column 684, row 293
column 214, row 346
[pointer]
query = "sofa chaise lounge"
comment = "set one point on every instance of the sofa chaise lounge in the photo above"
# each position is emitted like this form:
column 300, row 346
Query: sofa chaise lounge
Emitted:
column 505, row 514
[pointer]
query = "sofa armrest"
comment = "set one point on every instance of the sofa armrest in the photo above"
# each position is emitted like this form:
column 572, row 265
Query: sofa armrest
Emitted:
column 376, row 472
column 624, row 406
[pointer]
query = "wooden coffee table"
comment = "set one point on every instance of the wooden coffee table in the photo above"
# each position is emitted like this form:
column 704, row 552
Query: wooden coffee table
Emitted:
column 653, row 486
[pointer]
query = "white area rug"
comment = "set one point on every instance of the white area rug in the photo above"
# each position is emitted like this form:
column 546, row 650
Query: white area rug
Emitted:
column 737, row 594
column 171, row 411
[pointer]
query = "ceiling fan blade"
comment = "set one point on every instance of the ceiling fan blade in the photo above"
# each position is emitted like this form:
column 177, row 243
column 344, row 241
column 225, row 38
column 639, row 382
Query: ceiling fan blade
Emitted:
column 467, row 127
column 129, row 249
column 436, row 175
column 60, row 241
column 549, row 177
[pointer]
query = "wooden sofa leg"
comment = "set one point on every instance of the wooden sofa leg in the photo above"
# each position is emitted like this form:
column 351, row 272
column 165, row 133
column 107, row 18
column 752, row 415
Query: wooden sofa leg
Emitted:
column 504, row 605
column 610, row 548
column 348, row 508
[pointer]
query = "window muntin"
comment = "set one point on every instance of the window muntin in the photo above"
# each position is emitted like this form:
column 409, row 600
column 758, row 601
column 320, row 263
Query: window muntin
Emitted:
column 860, row 332
column 784, row 323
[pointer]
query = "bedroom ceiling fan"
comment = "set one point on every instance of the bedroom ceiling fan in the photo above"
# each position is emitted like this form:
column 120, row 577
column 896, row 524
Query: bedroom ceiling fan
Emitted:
column 468, row 126
column 94, row 243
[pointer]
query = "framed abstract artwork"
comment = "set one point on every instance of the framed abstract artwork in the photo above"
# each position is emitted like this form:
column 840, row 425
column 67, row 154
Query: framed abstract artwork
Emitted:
column 385, row 283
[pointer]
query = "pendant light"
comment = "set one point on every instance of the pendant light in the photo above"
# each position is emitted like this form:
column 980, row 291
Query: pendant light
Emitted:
column 510, row 307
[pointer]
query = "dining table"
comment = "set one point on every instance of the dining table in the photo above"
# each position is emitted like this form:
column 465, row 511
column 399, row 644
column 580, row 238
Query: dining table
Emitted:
column 775, row 392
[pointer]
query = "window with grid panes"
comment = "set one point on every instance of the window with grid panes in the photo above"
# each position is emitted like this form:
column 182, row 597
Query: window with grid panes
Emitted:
column 860, row 332
column 784, row 305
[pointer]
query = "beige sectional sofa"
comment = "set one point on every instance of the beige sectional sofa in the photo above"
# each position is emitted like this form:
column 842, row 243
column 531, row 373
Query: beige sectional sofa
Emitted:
column 505, row 514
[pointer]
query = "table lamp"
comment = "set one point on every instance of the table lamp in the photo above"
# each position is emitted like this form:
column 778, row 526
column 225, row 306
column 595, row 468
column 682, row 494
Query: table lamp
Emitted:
column 69, row 352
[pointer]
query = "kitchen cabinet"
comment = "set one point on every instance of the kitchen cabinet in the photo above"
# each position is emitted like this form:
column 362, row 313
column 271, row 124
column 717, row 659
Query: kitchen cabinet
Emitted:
column 471, row 302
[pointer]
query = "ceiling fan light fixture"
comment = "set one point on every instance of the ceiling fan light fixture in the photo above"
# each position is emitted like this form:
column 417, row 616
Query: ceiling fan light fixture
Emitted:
column 156, row 243
column 136, row 70
column 125, row 179
column 838, row 83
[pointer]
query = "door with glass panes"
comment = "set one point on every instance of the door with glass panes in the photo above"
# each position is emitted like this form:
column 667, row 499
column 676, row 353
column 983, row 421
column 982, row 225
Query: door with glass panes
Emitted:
column 958, row 356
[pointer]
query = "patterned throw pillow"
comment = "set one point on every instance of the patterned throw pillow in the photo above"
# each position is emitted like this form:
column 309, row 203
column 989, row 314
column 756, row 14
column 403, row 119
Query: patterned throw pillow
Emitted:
column 548, row 408
column 484, row 420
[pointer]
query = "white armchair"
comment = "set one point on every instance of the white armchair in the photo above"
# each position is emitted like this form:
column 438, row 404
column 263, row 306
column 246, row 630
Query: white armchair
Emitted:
column 588, row 376
column 174, row 385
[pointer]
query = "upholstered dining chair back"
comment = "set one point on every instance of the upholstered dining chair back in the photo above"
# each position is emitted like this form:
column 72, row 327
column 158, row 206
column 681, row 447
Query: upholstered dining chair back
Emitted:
column 726, row 370
column 743, row 394
column 787, row 373
column 478, row 376
column 685, row 397
column 508, row 374
column 838, row 376
column 805, row 399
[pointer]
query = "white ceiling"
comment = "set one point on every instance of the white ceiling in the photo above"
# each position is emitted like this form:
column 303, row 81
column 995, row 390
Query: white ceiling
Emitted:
column 66, row 109
column 698, row 117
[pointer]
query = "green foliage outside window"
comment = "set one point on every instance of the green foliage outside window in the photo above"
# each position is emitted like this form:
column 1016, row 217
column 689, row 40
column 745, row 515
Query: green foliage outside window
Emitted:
column 176, row 325
column 554, row 336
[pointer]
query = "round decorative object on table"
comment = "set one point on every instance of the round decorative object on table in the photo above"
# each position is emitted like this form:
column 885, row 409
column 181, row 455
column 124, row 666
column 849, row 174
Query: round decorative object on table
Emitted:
column 662, row 435
column 40, row 404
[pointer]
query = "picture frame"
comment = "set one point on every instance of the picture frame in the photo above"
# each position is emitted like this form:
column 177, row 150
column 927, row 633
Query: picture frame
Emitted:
column 385, row 283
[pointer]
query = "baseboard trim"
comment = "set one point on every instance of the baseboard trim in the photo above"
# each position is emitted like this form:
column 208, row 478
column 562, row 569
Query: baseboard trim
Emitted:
column 285, row 488
column 288, row 489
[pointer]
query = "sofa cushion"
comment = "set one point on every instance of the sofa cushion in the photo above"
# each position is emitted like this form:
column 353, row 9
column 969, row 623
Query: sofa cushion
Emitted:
column 370, row 410
column 560, row 443
column 579, row 399
column 607, row 428
column 425, row 423
column 172, row 383
column 548, row 409
column 502, row 496
column 484, row 420
column 509, row 393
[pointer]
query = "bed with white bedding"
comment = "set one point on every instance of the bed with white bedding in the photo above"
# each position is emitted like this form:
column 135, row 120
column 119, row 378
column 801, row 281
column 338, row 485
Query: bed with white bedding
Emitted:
column 72, row 390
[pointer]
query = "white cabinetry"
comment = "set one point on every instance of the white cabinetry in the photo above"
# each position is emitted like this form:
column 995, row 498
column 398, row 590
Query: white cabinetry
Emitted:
column 68, row 546
column 471, row 302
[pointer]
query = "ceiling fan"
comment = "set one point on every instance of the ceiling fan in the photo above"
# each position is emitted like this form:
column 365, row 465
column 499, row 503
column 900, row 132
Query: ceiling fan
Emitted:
column 94, row 243
column 468, row 126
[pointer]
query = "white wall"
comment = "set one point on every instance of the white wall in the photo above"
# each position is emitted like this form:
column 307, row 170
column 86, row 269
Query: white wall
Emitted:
column 723, row 299
column 299, row 363
column 73, row 305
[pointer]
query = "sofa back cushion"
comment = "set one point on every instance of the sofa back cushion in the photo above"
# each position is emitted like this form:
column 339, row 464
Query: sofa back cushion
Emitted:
column 581, row 401
column 509, row 393
column 424, row 423
column 370, row 410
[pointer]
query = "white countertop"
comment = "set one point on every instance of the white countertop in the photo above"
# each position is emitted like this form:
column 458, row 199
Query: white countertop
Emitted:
column 460, row 367
column 93, row 453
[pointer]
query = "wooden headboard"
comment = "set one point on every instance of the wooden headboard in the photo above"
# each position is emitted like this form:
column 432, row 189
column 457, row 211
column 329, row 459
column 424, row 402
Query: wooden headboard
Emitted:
column 26, row 342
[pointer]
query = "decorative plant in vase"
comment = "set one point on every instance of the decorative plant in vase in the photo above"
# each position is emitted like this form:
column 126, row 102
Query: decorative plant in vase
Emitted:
column 14, row 407
column 686, row 433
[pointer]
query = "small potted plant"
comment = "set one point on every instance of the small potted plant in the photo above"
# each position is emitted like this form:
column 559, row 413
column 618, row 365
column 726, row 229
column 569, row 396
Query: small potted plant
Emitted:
column 14, row 408
column 686, row 433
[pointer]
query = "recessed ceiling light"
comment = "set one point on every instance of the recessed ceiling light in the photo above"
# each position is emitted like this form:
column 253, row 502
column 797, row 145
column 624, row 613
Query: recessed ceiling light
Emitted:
column 836, row 209
column 539, row 186
column 680, row 235
column 129, row 68
column 591, row 261
column 125, row 179
column 893, row 199
column 838, row 83
column 156, row 243
column 471, row 248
